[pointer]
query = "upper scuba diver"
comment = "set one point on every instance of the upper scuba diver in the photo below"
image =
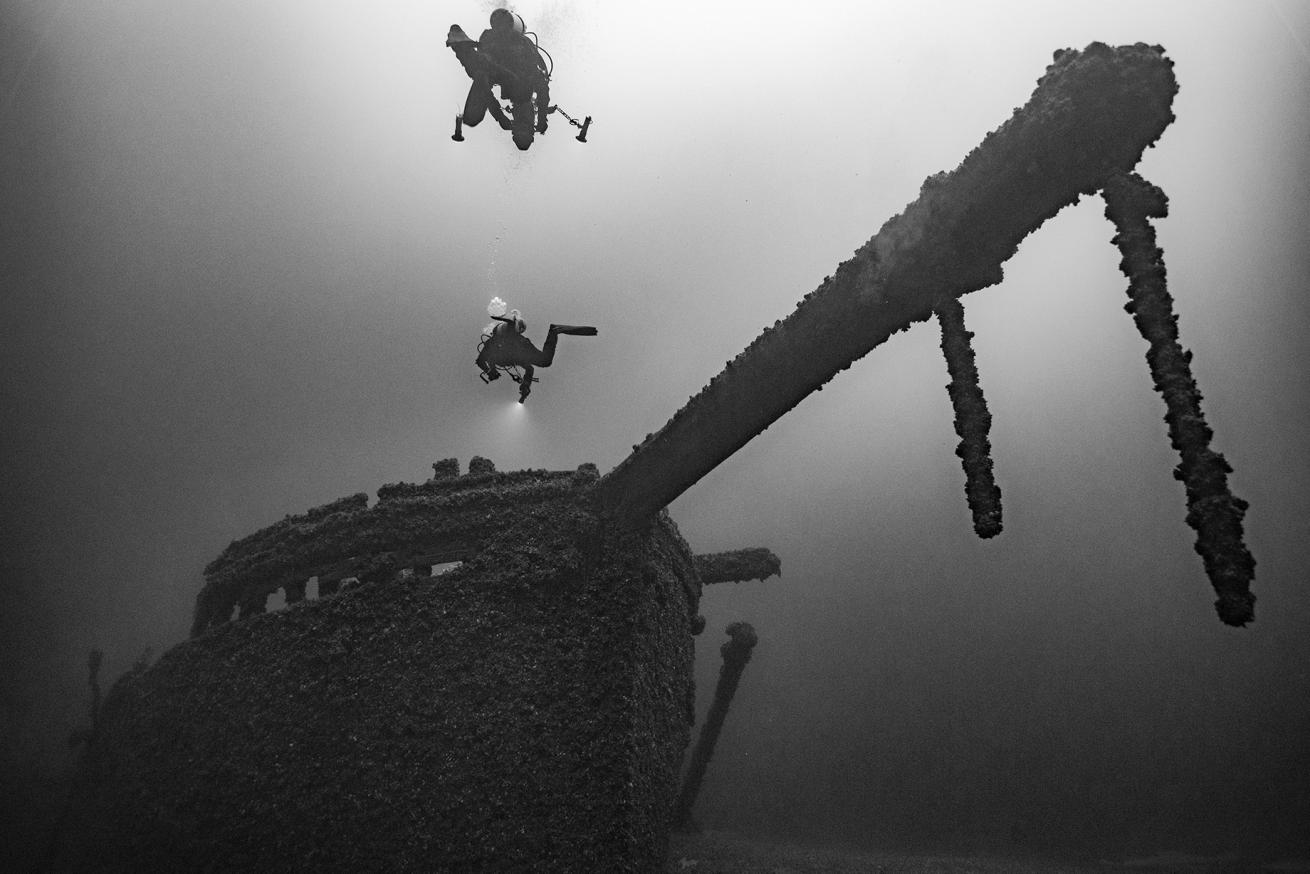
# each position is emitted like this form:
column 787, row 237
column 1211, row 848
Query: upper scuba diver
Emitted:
column 505, row 56
column 504, row 347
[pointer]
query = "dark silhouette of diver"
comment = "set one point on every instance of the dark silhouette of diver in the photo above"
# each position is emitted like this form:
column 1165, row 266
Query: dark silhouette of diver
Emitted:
column 506, row 347
column 504, row 56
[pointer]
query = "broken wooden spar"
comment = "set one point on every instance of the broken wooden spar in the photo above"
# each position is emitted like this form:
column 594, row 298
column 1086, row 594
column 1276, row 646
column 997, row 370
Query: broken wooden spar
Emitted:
column 736, row 652
column 1212, row 509
column 1092, row 115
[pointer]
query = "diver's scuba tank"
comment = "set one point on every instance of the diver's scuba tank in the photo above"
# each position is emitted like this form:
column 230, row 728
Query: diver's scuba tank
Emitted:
column 515, row 20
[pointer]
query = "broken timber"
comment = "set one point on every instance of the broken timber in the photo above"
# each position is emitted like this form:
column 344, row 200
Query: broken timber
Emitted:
column 1093, row 114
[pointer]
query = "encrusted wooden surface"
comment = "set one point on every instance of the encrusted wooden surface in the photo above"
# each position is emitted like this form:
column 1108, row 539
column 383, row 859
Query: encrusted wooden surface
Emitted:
column 526, row 711
column 1092, row 115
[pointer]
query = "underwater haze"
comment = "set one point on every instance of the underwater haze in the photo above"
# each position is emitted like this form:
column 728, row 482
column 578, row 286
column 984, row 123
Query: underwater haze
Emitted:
column 244, row 269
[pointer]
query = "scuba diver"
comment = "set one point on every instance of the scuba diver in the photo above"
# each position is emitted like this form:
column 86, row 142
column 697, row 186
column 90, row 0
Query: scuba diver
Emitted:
column 504, row 56
column 504, row 347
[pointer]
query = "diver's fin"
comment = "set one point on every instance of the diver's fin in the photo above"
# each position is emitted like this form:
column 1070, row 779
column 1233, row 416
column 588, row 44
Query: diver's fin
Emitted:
column 457, row 37
column 574, row 330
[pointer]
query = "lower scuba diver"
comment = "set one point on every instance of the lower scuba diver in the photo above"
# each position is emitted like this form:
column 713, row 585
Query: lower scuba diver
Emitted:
column 504, row 347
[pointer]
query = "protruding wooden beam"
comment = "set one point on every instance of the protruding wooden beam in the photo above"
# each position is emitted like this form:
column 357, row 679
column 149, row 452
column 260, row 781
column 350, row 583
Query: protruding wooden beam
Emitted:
column 1092, row 115
column 737, row 566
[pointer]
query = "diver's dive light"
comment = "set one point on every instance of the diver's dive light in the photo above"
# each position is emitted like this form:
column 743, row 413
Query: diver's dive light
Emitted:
column 584, row 124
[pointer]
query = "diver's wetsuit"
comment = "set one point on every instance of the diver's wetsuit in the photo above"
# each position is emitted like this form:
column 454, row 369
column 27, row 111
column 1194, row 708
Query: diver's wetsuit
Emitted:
column 507, row 347
column 509, row 59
